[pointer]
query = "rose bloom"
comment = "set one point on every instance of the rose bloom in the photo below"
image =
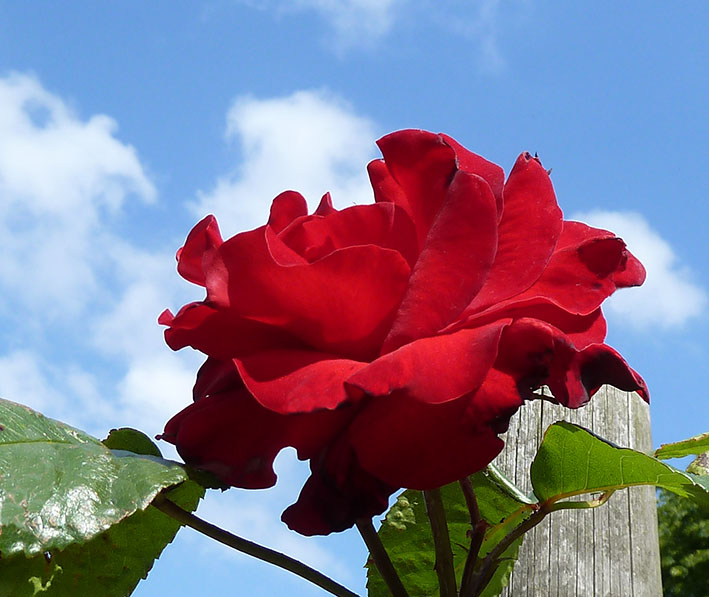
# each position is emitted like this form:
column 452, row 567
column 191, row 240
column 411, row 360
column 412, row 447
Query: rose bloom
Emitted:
column 390, row 343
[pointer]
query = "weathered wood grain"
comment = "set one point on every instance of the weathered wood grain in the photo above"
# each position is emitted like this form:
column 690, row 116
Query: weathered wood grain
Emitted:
column 611, row 551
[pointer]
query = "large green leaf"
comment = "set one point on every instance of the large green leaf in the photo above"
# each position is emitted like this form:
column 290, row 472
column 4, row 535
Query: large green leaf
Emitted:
column 74, row 514
column 694, row 445
column 573, row 461
column 406, row 534
column 110, row 565
column 60, row 486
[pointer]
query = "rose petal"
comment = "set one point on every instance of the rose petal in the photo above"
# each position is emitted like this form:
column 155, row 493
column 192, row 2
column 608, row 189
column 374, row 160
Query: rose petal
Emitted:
column 422, row 165
column 220, row 333
column 214, row 377
column 325, row 207
column 234, row 437
column 474, row 164
column 455, row 259
column 343, row 303
column 599, row 364
column 433, row 370
column 337, row 494
column 285, row 208
column 492, row 405
column 530, row 226
column 417, row 445
column 382, row 224
column 296, row 381
column 202, row 241
column 537, row 354
column 581, row 329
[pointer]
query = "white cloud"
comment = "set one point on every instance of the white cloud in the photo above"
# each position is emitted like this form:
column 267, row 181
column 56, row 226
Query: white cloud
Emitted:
column 353, row 22
column 669, row 298
column 61, row 179
column 309, row 141
column 79, row 304
column 22, row 380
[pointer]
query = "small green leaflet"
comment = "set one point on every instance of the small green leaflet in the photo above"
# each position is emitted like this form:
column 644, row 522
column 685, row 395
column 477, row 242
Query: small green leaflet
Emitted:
column 694, row 445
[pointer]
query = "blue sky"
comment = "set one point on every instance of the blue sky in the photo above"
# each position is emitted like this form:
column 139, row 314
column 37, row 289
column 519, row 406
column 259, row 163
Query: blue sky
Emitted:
column 122, row 124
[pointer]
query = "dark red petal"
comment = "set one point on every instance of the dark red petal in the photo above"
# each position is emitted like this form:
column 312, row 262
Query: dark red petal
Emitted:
column 296, row 381
column 537, row 354
column 214, row 377
column 455, row 259
column 599, row 364
column 530, row 226
column 285, row 208
column 474, row 164
column 494, row 402
column 433, row 370
column 423, row 165
column 581, row 329
column 337, row 494
column 201, row 243
column 234, row 437
column 342, row 303
column 382, row 224
column 412, row 444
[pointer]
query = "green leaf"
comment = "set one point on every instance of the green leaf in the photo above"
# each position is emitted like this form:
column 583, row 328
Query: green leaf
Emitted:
column 687, row 447
column 406, row 534
column 131, row 440
column 700, row 465
column 504, row 507
column 61, row 486
column 109, row 565
column 74, row 515
column 573, row 461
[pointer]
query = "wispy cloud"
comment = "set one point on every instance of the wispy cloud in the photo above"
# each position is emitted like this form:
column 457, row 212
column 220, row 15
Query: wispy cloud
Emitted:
column 61, row 179
column 670, row 296
column 366, row 23
column 79, row 304
column 352, row 23
column 309, row 141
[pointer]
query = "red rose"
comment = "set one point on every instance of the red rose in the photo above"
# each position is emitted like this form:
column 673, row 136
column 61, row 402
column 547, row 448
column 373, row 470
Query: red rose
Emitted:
column 390, row 343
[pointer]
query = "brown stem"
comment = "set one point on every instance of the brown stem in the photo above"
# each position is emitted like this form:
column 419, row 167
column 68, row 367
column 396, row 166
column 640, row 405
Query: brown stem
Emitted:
column 381, row 558
column 441, row 542
column 489, row 564
column 479, row 526
column 248, row 547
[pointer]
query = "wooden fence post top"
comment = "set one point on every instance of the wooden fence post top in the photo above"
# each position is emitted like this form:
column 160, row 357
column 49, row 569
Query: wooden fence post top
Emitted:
column 611, row 551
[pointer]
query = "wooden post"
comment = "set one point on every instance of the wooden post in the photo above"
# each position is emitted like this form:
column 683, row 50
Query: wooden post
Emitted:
column 610, row 551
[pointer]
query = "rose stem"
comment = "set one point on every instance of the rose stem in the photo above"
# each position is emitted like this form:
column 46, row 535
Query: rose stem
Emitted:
column 381, row 557
column 248, row 547
column 479, row 526
column 441, row 541
column 489, row 564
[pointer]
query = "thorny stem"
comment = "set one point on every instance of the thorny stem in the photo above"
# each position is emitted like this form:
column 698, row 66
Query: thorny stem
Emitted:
column 381, row 557
column 479, row 526
column 441, row 542
column 248, row 547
